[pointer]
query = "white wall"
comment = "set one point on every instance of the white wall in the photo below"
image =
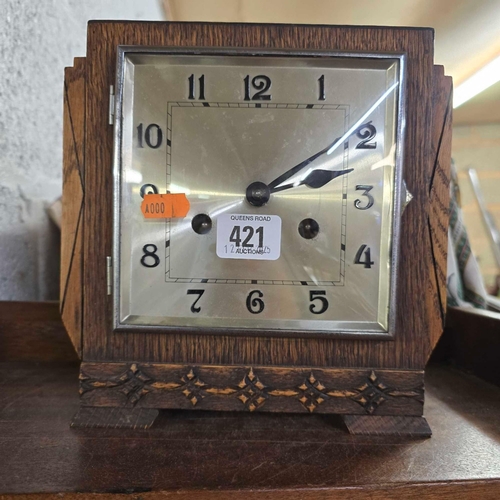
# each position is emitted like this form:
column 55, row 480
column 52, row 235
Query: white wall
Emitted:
column 37, row 40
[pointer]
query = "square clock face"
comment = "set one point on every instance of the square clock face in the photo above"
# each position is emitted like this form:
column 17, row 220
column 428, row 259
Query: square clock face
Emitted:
column 257, row 192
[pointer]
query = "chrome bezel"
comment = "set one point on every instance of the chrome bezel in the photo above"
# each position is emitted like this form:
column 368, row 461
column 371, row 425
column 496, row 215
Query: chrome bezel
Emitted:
column 122, row 51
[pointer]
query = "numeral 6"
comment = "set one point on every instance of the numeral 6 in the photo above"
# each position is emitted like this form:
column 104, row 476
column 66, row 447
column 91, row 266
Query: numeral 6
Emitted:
column 255, row 305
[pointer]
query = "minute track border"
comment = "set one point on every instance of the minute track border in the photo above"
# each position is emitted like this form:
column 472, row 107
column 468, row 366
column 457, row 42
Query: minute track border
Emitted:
column 258, row 105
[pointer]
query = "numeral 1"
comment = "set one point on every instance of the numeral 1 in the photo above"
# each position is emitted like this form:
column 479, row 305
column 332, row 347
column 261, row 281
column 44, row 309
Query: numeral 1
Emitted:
column 321, row 81
column 260, row 232
column 192, row 87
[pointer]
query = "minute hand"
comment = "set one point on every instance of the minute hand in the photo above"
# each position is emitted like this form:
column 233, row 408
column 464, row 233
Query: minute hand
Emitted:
column 336, row 143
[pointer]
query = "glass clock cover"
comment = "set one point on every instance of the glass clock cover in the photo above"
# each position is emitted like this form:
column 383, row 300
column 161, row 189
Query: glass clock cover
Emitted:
column 257, row 192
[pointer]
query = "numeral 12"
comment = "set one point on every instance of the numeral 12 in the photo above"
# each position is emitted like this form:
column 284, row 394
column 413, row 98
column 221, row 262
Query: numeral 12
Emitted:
column 262, row 84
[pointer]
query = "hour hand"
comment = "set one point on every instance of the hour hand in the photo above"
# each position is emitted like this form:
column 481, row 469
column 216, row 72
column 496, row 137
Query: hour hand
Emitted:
column 302, row 165
column 316, row 179
column 258, row 193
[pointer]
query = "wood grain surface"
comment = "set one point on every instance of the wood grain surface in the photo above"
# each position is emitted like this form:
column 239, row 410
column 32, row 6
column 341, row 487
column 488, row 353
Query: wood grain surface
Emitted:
column 72, row 201
column 439, row 202
column 32, row 331
column 114, row 418
column 415, row 318
column 219, row 455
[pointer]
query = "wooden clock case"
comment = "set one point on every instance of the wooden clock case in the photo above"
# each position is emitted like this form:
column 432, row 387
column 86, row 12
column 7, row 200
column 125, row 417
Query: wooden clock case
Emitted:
column 377, row 385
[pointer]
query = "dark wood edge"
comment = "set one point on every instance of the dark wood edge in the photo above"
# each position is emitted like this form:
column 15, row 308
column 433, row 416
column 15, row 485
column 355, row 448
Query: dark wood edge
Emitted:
column 278, row 25
column 258, row 388
column 456, row 490
column 390, row 425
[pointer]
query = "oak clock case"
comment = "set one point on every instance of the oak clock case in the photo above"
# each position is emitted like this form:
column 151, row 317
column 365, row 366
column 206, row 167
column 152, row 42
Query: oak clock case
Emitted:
column 291, row 168
column 294, row 144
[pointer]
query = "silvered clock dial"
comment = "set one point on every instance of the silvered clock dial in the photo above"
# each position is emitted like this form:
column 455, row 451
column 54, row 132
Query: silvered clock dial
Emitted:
column 257, row 192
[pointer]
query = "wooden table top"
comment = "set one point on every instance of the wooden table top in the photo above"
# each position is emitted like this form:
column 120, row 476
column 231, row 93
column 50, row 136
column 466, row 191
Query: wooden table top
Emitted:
column 223, row 455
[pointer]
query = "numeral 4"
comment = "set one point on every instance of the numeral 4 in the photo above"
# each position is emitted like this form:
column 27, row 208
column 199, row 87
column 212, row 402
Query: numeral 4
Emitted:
column 367, row 262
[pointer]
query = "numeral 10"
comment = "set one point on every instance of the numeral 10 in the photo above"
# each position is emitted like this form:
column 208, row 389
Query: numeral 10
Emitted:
column 152, row 136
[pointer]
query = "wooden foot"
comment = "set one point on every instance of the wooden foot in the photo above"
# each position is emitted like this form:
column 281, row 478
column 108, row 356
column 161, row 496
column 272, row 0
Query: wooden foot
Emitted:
column 116, row 418
column 373, row 425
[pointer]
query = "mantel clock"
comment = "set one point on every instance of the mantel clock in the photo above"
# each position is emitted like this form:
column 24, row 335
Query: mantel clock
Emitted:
column 254, row 218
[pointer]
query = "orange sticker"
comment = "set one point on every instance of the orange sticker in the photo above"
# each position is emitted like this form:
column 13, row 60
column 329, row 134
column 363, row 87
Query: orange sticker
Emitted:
column 165, row 206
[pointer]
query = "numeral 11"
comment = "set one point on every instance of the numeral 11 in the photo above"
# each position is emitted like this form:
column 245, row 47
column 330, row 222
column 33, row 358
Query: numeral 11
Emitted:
column 192, row 87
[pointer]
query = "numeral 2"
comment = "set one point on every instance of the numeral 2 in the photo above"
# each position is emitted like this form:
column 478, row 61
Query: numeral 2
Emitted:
column 195, row 309
column 367, row 262
column 262, row 84
column 366, row 132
